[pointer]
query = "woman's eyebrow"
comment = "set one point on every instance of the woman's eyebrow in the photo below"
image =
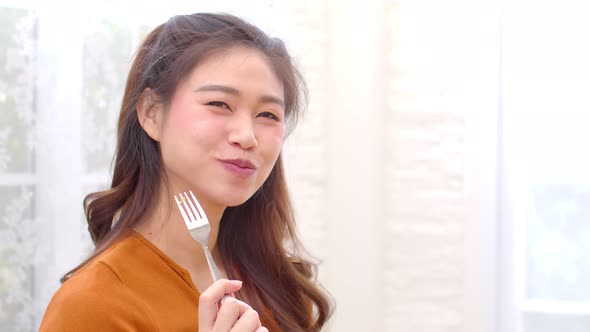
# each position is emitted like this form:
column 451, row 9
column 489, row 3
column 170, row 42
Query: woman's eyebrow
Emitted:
column 233, row 91
column 220, row 88
column 272, row 99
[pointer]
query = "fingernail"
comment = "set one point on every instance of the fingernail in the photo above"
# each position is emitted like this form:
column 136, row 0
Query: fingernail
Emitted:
column 237, row 282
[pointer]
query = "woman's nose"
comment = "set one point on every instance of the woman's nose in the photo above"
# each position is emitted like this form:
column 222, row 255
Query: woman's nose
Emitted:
column 242, row 133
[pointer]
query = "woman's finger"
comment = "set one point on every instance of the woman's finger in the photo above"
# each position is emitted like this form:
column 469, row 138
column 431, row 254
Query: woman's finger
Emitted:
column 248, row 322
column 231, row 311
column 208, row 301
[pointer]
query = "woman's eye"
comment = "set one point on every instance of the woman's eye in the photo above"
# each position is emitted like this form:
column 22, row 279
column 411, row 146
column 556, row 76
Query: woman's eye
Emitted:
column 269, row 115
column 218, row 104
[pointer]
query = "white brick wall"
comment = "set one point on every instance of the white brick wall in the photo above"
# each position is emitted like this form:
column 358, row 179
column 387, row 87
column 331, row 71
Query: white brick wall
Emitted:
column 425, row 227
column 306, row 147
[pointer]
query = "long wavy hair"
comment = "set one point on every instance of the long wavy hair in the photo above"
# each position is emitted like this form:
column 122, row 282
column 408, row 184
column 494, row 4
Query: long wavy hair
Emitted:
column 253, row 238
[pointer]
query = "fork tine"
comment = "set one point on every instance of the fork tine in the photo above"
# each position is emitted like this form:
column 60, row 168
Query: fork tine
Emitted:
column 186, row 207
column 199, row 207
column 193, row 209
column 184, row 216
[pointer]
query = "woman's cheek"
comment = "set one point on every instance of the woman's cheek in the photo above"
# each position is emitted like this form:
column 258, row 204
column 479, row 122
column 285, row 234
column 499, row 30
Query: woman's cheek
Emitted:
column 195, row 121
column 277, row 136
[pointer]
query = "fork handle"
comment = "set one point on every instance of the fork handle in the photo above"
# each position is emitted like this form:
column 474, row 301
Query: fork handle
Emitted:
column 213, row 269
column 212, row 266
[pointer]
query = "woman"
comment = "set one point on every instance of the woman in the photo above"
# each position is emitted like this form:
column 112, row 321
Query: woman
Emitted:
column 208, row 102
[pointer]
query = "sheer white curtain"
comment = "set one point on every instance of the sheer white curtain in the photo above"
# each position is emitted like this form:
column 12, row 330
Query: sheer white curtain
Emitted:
column 17, row 175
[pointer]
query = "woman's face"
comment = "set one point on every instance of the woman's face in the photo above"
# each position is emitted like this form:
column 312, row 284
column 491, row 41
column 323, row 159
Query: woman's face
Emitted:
column 224, row 128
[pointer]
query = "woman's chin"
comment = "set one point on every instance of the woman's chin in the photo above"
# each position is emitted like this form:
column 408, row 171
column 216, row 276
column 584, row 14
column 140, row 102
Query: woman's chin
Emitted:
column 235, row 200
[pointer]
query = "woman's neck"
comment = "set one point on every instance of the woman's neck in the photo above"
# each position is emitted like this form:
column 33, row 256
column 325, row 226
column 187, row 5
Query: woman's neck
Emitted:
column 164, row 227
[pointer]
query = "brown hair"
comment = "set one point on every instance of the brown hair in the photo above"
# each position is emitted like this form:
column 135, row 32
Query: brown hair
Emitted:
column 279, row 284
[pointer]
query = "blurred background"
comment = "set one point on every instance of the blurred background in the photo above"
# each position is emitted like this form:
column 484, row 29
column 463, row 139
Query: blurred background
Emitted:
column 439, row 175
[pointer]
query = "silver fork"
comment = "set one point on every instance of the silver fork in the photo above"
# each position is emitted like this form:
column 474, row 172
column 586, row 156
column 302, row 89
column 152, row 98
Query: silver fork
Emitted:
column 198, row 225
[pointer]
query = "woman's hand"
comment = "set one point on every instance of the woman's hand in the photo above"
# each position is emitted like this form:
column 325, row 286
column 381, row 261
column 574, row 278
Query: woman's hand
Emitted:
column 233, row 315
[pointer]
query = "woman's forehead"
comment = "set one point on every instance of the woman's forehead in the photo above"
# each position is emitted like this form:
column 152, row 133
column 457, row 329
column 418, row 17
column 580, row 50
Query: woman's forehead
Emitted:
column 239, row 68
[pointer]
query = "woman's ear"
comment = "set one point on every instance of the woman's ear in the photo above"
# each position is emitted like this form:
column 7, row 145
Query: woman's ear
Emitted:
column 149, row 114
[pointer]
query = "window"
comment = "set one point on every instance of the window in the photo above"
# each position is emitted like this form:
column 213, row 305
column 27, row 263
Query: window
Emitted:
column 546, row 234
column 17, row 167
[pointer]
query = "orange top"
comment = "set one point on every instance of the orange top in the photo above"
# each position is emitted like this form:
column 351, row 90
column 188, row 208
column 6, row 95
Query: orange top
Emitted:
column 132, row 286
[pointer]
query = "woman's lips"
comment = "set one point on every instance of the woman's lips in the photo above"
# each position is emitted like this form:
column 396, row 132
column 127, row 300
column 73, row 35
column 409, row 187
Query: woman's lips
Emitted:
column 239, row 167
